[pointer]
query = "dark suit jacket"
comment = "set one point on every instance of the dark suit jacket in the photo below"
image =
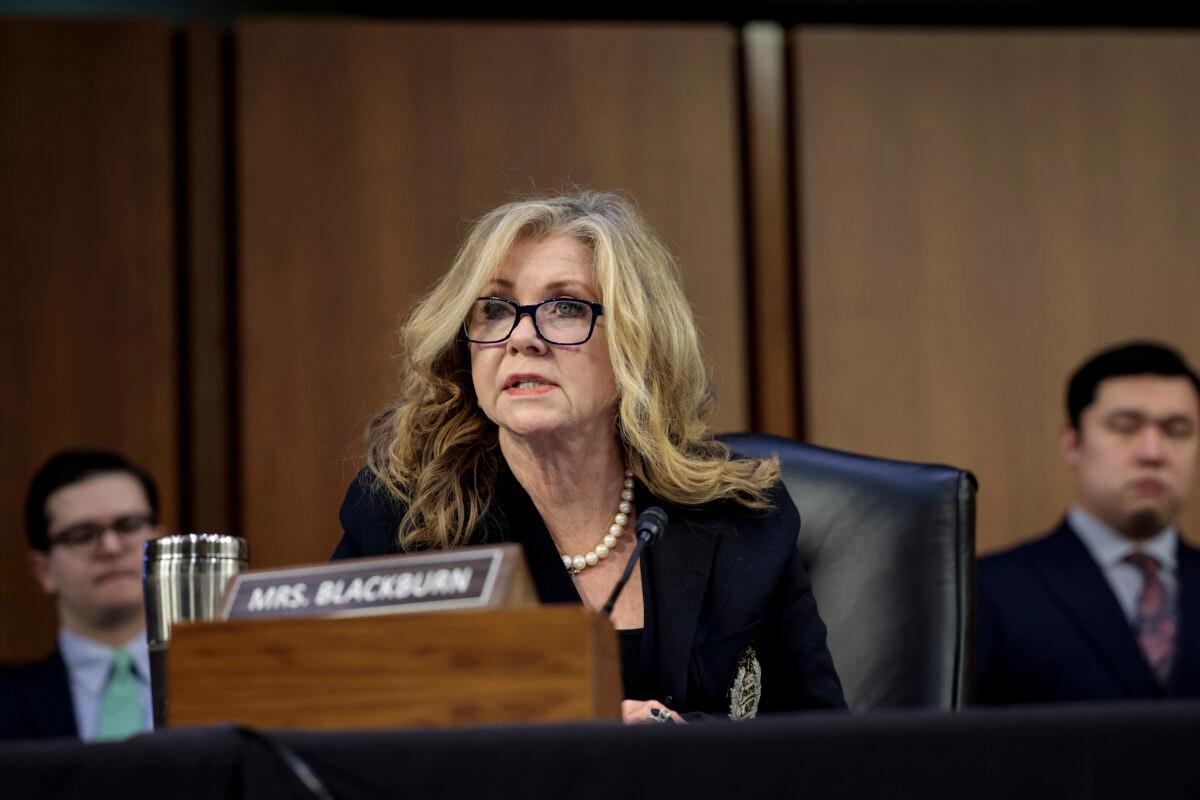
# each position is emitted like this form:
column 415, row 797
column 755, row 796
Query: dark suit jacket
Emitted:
column 35, row 700
column 1051, row 630
column 724, row 579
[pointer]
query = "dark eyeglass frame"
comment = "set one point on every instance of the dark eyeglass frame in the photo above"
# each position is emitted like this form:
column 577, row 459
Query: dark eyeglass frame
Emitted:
column 84, row 535
column 531, row 310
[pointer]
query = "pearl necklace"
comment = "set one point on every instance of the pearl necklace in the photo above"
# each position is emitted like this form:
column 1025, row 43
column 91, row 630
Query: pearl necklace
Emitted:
column 577, row 564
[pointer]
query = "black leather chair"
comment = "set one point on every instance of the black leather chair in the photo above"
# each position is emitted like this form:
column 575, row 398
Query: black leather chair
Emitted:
column 890, row 548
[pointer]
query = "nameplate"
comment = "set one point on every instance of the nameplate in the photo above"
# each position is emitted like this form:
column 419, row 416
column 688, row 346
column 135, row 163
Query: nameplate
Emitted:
column 474, row 577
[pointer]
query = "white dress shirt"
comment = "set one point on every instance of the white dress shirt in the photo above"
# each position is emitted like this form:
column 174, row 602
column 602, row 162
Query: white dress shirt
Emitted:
column 88, row 665
column 1110, row 549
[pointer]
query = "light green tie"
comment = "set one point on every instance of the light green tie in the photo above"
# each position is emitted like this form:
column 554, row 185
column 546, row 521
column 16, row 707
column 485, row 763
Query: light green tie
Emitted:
column 121, row 706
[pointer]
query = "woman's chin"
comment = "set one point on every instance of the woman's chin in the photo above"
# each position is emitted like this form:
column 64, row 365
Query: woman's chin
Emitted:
column 544, row 426
column 535, row 428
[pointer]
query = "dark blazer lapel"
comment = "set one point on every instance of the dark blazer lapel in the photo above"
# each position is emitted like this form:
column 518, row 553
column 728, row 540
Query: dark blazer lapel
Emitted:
column 1186, row 679
column 514, row 518
column 1074, row 579
column 51, row 707
column 681, row 560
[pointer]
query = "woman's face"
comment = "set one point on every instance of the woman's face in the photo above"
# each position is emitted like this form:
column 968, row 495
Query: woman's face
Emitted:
column 534, row 389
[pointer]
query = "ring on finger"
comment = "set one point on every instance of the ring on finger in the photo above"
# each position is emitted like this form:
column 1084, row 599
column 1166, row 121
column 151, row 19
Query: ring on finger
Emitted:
column 659, row 715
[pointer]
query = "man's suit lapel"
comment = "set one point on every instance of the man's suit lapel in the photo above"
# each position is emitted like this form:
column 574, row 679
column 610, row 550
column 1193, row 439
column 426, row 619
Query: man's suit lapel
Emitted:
column 1186, row 678
column 681, row 560
column 50, row 706
column 1073, row 578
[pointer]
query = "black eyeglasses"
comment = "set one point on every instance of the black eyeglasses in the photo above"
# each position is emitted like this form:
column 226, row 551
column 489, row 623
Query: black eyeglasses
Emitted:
column 561, row 320
column 86, row 534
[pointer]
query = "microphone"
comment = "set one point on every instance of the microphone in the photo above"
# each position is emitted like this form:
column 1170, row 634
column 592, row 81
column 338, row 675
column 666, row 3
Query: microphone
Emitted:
column 651, row 525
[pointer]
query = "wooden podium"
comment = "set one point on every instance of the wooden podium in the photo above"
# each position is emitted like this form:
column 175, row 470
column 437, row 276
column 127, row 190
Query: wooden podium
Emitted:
column 537, row 664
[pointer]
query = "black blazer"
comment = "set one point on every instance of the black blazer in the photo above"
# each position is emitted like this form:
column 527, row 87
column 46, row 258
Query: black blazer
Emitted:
column 724, row 579
column 35, row 700
column 1051, row 630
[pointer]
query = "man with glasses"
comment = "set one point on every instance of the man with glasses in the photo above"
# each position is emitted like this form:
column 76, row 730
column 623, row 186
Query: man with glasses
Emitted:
column 87, row 515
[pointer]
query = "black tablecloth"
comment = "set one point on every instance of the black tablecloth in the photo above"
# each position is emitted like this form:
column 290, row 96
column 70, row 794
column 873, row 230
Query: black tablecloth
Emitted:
column 1112, row 751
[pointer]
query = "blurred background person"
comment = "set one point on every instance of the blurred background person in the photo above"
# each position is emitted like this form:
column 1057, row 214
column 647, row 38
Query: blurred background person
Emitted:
column 88, row 514
column 1107, row 606
column 553, row 389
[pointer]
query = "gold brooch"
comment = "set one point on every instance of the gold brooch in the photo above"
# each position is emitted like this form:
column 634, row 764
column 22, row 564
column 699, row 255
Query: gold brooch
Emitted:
column 746, row 689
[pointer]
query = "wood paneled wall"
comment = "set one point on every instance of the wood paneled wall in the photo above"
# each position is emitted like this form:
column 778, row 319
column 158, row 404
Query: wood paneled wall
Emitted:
column 87, row 282
column 982, row 210
column 960, row 218
column 363, row 152
column 774, row 349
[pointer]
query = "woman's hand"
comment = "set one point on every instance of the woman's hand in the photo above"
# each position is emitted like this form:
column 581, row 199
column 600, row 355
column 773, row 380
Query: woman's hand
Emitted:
column 637, row 712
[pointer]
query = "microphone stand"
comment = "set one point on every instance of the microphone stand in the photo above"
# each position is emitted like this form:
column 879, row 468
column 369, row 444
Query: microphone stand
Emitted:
column 650, row 526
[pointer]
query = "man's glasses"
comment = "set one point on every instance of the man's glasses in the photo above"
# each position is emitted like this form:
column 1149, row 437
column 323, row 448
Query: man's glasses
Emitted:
column 84, row 535
column 561, row 320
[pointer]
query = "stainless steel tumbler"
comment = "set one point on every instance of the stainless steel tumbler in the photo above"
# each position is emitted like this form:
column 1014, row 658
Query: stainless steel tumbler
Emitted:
column 185, row 577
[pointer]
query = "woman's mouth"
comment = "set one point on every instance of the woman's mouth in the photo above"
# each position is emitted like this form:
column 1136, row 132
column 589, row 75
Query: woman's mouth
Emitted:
column 527, row 385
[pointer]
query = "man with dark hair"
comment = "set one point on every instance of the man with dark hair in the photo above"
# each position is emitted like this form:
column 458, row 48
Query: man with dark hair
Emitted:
column 1107, row 606
column 87, row 515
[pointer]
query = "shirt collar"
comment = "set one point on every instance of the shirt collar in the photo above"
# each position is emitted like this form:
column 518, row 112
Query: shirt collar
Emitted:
column 88, row 660
column 1110, row 548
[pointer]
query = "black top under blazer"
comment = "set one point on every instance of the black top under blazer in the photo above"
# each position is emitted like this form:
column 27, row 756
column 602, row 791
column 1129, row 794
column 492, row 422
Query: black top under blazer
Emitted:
column 35, row 700
column 724, row 579
column 1051, row 630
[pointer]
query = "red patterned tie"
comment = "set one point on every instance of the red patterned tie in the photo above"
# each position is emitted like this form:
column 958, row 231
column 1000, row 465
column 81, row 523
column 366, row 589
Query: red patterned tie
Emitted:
column 1154, row 622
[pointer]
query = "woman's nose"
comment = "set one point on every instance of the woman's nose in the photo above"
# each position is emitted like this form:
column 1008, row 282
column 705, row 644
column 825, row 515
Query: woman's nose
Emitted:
column 524, row 337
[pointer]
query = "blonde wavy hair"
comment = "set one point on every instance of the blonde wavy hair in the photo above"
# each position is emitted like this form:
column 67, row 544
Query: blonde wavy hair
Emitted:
column 435, row 451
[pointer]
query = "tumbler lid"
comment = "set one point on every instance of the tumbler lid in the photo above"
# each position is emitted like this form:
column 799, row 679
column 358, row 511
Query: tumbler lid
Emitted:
column 197, row 545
